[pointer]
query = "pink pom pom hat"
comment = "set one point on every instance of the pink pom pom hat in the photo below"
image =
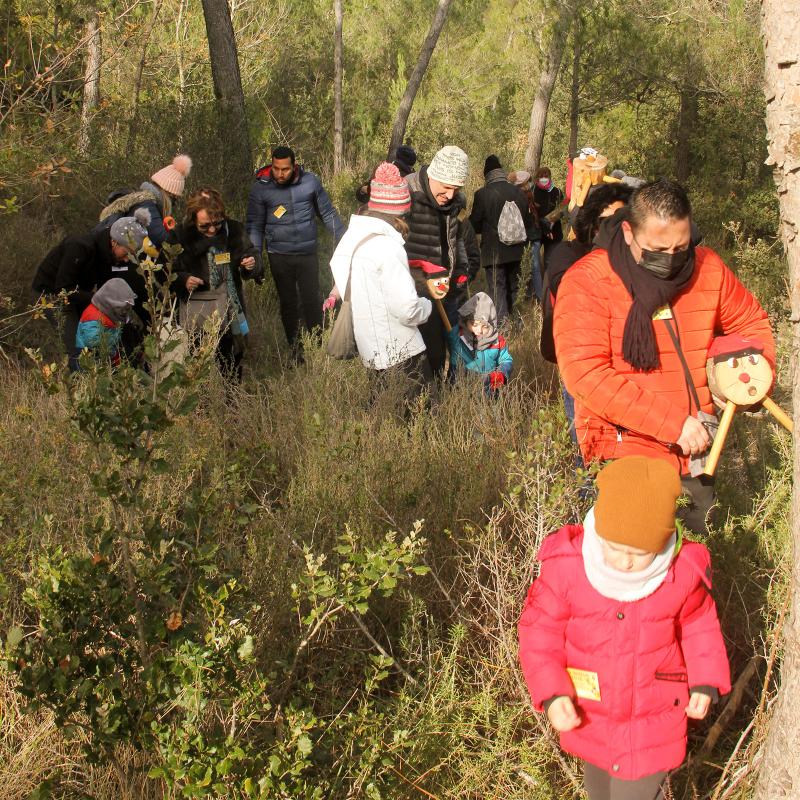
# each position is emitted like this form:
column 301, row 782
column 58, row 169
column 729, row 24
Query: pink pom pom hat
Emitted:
column 172, row 178
column 388, row 191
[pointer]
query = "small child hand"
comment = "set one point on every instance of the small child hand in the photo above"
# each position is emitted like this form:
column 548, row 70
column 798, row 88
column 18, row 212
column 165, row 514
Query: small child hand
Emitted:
column 562, row 714
column 699, row 704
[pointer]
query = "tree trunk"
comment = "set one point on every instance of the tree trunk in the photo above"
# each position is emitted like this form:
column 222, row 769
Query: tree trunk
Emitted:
column 414, row 82
column 338, row 69
column 137, row 83
column 779, row 775
column 234, row 136
column 551, row 64
column 91, row 80
column 574, row 100
column 687, row 124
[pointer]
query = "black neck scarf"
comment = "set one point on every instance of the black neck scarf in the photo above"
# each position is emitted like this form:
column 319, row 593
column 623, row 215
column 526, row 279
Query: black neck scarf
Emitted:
column 649, row 293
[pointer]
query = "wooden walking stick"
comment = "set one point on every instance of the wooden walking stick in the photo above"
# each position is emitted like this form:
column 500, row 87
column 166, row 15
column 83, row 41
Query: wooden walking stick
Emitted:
column 443, row 314
column 740, row 375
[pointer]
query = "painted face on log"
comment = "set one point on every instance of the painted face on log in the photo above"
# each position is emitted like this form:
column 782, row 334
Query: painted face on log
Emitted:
column 439, row 286
column 743, row 378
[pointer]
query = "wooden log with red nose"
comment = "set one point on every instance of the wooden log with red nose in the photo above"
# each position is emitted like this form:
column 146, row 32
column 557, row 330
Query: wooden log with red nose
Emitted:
column 740, row 376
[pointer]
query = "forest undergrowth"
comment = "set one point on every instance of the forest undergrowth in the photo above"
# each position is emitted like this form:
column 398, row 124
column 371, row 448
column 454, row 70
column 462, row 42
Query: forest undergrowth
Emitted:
column 330, row 660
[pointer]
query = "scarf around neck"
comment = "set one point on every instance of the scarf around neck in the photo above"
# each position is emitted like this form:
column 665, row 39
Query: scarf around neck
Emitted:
column 639, row 347
column 615, row 584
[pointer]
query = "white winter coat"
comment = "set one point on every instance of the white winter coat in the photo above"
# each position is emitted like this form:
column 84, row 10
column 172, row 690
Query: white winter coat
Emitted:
column 386, row 308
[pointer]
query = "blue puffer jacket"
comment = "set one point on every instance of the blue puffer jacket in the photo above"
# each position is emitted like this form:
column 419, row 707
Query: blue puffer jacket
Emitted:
column 493, row 359
column 284, row 216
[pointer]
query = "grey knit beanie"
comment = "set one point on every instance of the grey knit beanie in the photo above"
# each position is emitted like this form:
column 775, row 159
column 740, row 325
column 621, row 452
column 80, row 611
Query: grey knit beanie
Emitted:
column 131, row 232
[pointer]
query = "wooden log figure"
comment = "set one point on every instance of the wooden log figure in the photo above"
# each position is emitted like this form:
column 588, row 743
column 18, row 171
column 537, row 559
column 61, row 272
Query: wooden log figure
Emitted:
column 738, row 376
column 588, row 169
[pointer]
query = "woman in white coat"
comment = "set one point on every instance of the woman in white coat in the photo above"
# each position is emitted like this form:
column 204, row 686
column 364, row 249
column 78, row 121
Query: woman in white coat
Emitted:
column 386, row 308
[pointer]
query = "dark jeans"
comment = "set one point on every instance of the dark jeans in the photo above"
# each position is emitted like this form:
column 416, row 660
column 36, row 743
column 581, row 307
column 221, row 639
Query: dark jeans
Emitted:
column 297, row 281
column 536, row 282
column 701, row 497
column 601, row 785
column 503, row 281
column 414, row 374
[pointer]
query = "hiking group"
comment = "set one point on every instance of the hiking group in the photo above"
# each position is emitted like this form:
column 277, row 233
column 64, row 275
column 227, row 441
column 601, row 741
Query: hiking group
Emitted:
column 619, row 638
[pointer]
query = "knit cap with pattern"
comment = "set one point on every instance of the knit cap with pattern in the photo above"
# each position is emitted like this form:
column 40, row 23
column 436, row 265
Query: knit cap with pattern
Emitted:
column 172, row 178
column 636, row 502
column 131, row 232
column 450, row 166
column 388, row 191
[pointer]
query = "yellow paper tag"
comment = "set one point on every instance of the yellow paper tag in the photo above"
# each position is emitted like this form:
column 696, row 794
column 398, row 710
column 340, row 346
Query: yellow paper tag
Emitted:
column 665, row 312
column 587, row 684
column 279, row 211
column 220, row 259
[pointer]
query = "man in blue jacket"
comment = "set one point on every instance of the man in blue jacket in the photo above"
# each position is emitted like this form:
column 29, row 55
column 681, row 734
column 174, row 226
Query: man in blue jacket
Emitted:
column 281, row 213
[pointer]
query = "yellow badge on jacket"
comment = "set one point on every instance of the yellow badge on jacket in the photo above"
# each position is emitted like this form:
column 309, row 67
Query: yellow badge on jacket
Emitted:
column 587, row 684
column 279, row 211
column 665, row 312
column 221, row 259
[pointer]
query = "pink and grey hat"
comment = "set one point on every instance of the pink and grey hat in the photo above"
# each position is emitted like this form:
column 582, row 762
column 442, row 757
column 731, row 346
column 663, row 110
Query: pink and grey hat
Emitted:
column 388, row 191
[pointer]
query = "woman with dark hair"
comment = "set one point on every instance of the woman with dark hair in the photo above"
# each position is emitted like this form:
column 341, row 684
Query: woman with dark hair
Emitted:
column 217, row 254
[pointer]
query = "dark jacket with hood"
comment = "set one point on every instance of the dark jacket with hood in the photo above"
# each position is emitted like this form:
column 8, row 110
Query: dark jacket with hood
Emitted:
column 193, row 261
column 77, row 264
column 437, row 233
column 148, row 196
column 487, row 206
column 284, row 216
column 548, row 200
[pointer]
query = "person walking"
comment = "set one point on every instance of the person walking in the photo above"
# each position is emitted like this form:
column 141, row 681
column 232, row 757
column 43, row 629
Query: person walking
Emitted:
column 500, row 216
column 285, row 201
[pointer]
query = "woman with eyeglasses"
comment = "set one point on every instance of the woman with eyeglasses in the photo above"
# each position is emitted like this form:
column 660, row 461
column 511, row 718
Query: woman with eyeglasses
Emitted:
column 217, row 255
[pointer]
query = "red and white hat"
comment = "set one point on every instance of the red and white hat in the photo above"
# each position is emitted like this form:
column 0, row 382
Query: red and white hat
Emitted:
column 388, row 191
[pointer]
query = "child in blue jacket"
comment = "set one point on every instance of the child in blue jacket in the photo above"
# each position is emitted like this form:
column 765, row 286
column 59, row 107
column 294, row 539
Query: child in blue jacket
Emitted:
column 100, row 327
column 476, row 345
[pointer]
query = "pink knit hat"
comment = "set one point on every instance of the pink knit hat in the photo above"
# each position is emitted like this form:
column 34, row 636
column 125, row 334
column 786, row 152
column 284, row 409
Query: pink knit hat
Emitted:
column 388, row 191
column 172, row 178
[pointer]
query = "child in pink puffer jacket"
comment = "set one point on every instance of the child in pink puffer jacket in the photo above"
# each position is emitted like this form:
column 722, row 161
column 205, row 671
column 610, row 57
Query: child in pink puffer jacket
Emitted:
column 619, row 639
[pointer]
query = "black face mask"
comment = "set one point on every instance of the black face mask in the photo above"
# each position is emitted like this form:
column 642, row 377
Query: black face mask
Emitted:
column 664, row 265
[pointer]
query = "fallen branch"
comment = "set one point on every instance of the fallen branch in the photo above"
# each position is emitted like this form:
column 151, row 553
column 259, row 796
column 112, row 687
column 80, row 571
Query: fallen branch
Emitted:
column 731, row 707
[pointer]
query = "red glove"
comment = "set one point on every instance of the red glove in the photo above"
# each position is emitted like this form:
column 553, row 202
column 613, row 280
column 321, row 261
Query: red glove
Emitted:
column 496, row 379
column 461, row 280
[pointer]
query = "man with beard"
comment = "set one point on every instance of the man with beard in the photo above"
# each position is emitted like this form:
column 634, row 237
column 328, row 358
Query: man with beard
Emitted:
column 285, row 201
column 633, row 323
column 437, row 254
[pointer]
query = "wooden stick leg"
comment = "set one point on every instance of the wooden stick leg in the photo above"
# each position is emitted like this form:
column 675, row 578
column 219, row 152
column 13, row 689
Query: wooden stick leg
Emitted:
column 443, row 314
column 719, row 440
column 778, row 413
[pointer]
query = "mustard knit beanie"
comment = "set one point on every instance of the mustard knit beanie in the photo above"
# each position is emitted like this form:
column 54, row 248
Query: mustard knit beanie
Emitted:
column 636, row 502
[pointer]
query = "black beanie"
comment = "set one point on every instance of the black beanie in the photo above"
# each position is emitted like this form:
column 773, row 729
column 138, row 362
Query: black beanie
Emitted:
column 492, row 162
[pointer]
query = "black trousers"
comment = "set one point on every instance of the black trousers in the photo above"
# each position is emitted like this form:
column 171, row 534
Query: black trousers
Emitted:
column 602, row 785
column 433, row 334
column 297, row 281
column 503, row 281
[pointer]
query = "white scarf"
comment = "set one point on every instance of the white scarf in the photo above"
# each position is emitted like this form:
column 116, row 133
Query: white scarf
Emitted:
column 613, row 583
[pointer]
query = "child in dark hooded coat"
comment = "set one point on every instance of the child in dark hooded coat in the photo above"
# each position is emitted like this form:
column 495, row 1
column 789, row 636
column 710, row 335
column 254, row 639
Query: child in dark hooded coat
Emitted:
column 477, row 346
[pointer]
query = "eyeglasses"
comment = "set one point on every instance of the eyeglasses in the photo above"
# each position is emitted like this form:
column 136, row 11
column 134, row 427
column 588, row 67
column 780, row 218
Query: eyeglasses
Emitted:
column 216, row 224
